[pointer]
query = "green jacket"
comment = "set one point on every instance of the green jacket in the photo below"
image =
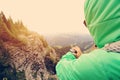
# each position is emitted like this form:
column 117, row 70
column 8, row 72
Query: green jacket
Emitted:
column 103, row 21
column 97, row 65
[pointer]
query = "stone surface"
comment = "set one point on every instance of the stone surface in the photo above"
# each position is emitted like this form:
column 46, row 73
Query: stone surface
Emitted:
column 24, row 55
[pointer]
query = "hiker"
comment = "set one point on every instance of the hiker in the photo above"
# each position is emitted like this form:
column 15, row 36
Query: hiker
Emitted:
column 103, row 21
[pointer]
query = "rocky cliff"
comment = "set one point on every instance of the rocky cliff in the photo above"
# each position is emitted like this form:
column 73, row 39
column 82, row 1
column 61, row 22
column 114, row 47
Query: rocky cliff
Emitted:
column 24, row 55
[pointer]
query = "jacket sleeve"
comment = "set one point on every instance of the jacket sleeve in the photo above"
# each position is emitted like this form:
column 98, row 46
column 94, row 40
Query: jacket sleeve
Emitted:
column 61, row 67
column 69, row 56
column 70, row 68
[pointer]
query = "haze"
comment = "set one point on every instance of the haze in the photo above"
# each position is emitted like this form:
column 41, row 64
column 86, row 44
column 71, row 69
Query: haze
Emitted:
column 47, row 16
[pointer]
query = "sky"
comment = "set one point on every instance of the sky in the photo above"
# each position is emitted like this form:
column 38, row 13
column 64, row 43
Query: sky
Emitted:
column 47, row 16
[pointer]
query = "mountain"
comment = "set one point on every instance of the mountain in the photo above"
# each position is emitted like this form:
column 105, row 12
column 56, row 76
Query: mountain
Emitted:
column 27, row 55
column 84, row 41
column 24, row 55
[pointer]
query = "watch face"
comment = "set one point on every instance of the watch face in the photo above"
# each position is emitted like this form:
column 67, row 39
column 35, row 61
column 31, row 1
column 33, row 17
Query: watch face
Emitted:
column 73, row 51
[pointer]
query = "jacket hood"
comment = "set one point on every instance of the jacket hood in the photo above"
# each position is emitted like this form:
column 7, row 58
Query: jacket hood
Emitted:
column 103, row 20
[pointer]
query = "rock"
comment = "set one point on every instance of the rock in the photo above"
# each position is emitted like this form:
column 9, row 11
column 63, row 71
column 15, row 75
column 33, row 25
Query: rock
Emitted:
column 24, row 55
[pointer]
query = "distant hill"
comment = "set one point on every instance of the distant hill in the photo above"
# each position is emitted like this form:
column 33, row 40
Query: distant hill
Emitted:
column 83, row 41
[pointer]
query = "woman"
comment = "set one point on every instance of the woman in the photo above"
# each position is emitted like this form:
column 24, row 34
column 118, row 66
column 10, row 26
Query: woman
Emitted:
column 103, row 21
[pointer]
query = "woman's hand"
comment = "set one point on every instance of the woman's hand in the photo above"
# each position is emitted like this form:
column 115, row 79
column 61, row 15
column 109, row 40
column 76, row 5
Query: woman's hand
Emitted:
column 76, row 51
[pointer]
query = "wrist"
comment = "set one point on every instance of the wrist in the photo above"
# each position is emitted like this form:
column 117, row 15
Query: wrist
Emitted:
column 74, row 52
